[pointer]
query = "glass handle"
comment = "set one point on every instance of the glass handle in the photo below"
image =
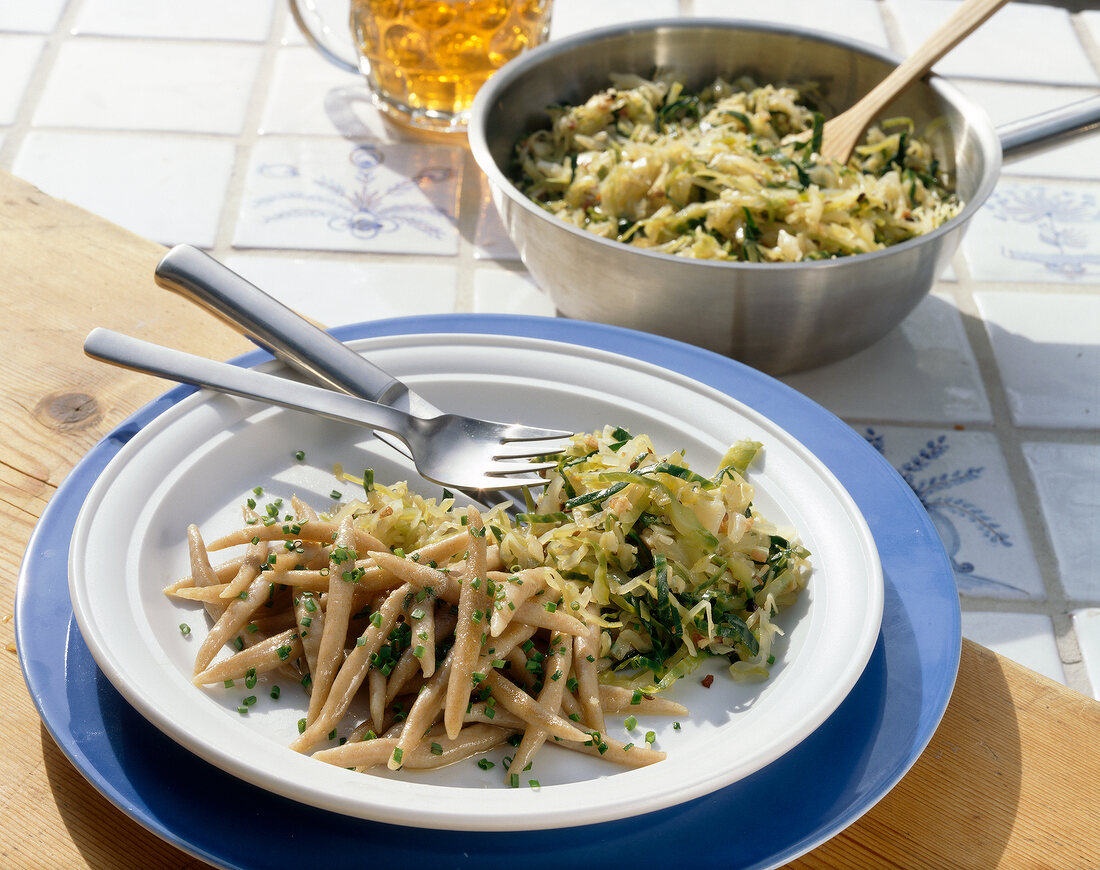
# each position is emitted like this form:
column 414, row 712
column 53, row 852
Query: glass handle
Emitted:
column 334, row 47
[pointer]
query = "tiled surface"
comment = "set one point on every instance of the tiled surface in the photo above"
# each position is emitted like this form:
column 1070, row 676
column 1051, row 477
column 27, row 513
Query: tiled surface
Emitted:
column 335, row 292
column 148, row 85
column 334, row 195
column 170, row 190
column 19, row 54
column 928, row 352
column 1048, row 354
column 215, row 124
column 855, row 19
column 962, row 479
column 1067, row 479
column 1028, row 42
column 241, row 20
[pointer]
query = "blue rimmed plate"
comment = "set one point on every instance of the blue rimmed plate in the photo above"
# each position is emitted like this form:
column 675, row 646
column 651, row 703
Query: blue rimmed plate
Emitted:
column 870, row 740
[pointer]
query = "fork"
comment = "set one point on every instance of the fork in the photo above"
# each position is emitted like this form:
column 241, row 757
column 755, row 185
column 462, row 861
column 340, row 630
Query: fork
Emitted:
column 323, row 359
column 449, row 449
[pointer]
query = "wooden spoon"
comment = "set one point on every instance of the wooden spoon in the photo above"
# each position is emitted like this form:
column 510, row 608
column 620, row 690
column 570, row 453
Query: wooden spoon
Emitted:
column 841, row 134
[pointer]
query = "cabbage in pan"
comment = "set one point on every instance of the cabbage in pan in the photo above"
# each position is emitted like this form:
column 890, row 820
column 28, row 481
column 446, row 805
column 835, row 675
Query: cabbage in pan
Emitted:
column 730, row 173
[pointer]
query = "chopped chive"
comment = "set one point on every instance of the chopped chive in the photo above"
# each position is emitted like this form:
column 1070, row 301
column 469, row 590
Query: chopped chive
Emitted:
column 275, row 692
column 301, row 726
column 334, row 494
column 650, row 736
column 631, row 723
column 437, row 749
column 185, row 629
column 485, row 764
column 513, row 780
column 250, row 678
column 228, row 684
column 397, row 753
column 300, row 455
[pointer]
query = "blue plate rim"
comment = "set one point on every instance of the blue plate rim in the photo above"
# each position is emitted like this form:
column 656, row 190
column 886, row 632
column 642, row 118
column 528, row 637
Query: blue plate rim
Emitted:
column 935, row 655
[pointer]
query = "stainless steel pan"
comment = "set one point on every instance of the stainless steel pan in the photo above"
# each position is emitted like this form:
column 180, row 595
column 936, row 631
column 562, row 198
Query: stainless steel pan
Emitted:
column 779, row 317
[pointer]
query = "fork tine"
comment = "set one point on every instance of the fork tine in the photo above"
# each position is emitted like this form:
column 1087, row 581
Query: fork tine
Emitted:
column 524, row 449
column 493, row 482
column 519, row 432
column 505, row 467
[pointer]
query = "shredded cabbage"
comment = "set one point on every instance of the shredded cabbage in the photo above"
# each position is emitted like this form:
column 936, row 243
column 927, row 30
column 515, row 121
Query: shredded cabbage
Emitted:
column 673, row 566
column 729, row 173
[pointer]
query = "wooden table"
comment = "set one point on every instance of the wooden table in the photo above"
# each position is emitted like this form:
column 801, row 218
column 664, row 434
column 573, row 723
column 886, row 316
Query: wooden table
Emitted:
column 1010, row 779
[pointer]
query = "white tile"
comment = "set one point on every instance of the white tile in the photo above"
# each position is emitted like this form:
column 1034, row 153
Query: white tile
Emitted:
column 170, row 190
column 18, row 57
column 573, row 16
column 137, row 85
column 1086, row 623
column 322, row 194
column 1026, row 638
column 335, row 292
column 491, row 241
column 309, row 96
column 292, row 34
column 1021, row 42
column 961, row 479
column 31, row 16
column 1048, row 350
column 1067, row 478
column 1029, row 231
column 499, row 291
column 1008, row 102
column 854, row 19
column 923, row 371
column 248, row 20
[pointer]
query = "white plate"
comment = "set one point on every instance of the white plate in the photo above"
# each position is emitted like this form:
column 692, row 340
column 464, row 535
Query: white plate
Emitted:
column 199, row 460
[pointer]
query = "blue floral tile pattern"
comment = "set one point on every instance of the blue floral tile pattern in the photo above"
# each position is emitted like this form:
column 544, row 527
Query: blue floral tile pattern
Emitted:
column 962, row 480
column 1037, row 231
column 336, row 195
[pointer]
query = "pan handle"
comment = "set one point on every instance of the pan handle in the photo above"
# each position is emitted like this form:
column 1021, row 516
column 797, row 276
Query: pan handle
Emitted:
column 1056, row 127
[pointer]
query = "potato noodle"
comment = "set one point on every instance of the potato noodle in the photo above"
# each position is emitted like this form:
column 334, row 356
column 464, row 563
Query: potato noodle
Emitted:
column 426, row 632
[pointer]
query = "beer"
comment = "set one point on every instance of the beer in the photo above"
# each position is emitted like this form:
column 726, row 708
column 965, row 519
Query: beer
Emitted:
column 427, row 58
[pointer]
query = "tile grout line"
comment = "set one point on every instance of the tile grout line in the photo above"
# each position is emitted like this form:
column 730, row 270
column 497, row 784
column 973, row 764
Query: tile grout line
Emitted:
column 17, row 132
column 248, row 136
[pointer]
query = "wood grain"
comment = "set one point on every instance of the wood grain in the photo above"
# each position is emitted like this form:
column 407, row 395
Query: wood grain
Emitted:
column 1009, row 780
